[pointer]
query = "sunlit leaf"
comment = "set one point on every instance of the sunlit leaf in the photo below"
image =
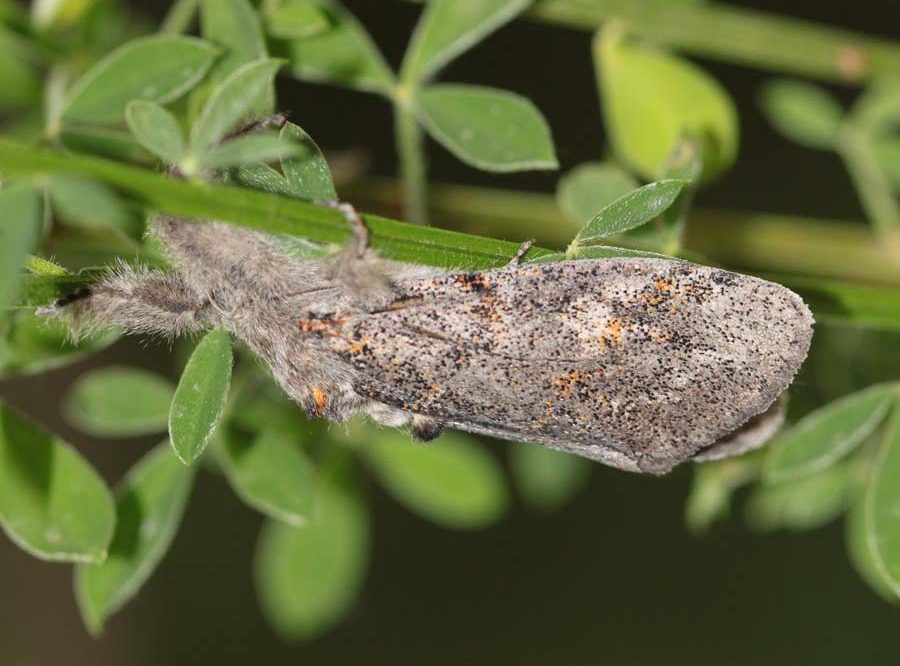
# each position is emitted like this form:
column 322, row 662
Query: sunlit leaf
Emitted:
column 453, row 481
column 632, row 210
column 159, row 69
column 294, row 19
column 307, row 174
column 828, row 434
column 651, row 99
column 52, row 502
column 547, row 479
column 343, row 54
column 883, row 503
column 20, row 226
column 231, row 102
column 449, row 27
column 803, row 112
column 307, row 577
column 200, row 397
column 150, row 503
column 156, row 129
column 490, row 129
column 588, row 188
column 859, row 550
column 270, row 473
column 119, row 401
column 250, row 148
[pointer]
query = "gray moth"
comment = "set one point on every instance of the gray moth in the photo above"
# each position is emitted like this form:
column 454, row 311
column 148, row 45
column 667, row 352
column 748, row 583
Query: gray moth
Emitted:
column 639, row 363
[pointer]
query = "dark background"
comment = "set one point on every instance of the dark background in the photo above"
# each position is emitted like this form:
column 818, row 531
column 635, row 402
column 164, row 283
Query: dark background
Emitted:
column 614, row 577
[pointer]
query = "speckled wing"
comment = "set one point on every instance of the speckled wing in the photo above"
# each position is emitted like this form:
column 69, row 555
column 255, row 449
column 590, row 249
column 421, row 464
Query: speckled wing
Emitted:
column 637, row 363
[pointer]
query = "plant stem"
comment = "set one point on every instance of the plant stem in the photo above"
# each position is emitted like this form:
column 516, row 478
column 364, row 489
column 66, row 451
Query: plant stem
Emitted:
column 178, row 19
column 411, row 157
column 737, row 35
column 871, row 183
column 758, row 242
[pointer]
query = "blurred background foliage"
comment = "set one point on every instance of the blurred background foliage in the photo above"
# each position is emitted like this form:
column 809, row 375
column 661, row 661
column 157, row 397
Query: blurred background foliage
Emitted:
column 774, row 141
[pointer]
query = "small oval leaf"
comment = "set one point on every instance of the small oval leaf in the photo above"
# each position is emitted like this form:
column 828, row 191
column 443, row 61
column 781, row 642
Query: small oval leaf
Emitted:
column 630, row 211
column 546, row 478
column 200, row 397
column 343, row 54
column 52, row 502
column 88, row 204
column 230, row 102
column 20, row 227
column 119, row 401
column 156, row 129
column 270, row 473
column 651, row 99
column 449, row 27
column 250, row 148
column 490, row 129
column 307, row 577
column 829, row 433
column 150, row 503
column 801, row 504
column 882, row 504
column 588, row 188
column 295, row 19
column 453, row 481
column 159, row 68
column 803, row 112
column 307, row 174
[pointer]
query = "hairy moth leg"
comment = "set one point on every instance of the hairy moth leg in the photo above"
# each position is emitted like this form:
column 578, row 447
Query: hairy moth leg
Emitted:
column 139, row 302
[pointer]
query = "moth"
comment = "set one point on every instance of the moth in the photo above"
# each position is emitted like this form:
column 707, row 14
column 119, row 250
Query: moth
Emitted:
column 639, row 363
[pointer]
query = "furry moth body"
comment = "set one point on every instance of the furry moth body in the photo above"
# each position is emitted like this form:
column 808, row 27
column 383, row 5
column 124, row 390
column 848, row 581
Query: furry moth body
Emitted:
column 638, row 363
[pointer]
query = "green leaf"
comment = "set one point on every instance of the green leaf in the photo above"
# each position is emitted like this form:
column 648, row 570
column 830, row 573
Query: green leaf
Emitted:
column 887, row 151
column 597, row 252
column 803, row 112
column 630, row 211
column 119, row 401
column 307, row 577
column 232, row 101
column 345, row 54
column 52, row 502
column 651, row 99
column 294, row 19
column 546, row 478
column 200, row 397
column 859, row 550
column 250, row 148
column 453, row 481
column 882, row 499
column 110, row 142
column 488, row 128
column 450, row 27
column 588, row 188
column 827, row 434
column 270, row 473
column 150, row 503
column 84, row 203
column 802, row 503
column 20, row 226
column 307, row 174
column 234, row 26
column 159, row 69
column 156, row 129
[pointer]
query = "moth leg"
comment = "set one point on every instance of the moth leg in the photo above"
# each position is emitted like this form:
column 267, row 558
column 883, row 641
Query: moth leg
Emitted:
column 523, row 248
column 139, row 302
column 274, row 120
column 360, row 240
column 422, row 428
column 425, row 428
column 750, row 436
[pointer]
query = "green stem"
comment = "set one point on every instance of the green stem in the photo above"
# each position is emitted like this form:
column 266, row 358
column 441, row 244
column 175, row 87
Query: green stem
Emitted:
column 872, row 184
column 737, row 35
column 757, row 242
column 411, row 157
column 835, row 301
column 719, row 31
column 178, row 19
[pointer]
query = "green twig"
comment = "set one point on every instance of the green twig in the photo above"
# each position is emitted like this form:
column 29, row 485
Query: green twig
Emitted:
column 411, row 157
column 871, row 183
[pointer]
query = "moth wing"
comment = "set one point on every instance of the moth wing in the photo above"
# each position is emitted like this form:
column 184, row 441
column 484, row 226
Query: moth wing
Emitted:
column 637, row 363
